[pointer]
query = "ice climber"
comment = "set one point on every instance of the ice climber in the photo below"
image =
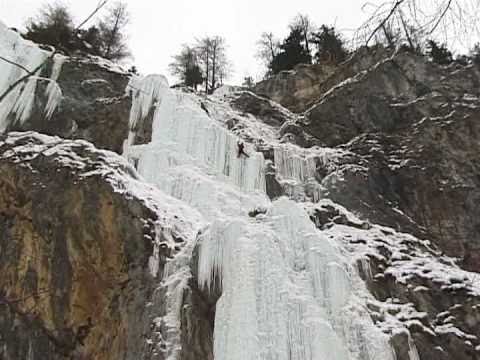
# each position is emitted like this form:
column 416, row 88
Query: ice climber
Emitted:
column 241, row 149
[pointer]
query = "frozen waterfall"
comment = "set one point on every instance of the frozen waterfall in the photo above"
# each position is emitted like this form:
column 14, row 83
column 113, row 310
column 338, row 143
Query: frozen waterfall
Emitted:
column 288, row 293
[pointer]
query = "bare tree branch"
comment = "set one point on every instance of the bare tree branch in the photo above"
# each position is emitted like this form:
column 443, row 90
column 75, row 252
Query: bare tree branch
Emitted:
column 384, row 21
column 440, row 18
column 100, row 5
column 454, row 20
column 15, row 64
column 25, row 77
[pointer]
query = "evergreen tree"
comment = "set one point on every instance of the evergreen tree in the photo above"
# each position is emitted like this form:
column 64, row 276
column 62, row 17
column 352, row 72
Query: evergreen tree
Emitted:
column 475, row 54
column 53, row 26
column 439, row 53
column 329, row 45
column 91, row 41
column 293, row 52
column 193, row 76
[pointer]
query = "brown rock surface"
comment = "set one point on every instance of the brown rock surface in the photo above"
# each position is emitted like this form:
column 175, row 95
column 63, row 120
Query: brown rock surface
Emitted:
column 77, row 233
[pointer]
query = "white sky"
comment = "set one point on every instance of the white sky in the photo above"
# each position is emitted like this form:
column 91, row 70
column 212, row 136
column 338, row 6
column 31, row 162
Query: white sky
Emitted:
column 159, row 27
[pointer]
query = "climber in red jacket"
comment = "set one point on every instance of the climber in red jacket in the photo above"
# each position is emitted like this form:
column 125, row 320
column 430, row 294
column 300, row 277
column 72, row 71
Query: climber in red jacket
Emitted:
column 241, row 149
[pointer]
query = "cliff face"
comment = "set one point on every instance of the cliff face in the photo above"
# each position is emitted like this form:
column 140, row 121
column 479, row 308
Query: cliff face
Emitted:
column 405, row 134
column 295, row 89
column 413, row 128
column 80, row 97
column 77, row 247
column 298, row 89
column 375, row 254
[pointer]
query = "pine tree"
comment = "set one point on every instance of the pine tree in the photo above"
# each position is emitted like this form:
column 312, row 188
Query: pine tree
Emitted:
column 91, row 41
column 53, row 26
column 293, row 52
column 475, row 54
column 329, row 45
column 439, row 53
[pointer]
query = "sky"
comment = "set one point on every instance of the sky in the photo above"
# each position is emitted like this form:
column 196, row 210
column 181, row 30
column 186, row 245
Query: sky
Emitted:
column 158, row 28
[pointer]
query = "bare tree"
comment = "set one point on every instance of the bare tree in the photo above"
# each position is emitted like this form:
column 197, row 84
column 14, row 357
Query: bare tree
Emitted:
column 112, row 28
column 185, row 65
column 454, row 20
column 212, row 56
column 268, row 46
column 303, row 23
column 203, row 50
column 218, row 60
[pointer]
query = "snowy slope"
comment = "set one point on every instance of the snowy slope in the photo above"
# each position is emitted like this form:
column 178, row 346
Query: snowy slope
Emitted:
column 288, row 292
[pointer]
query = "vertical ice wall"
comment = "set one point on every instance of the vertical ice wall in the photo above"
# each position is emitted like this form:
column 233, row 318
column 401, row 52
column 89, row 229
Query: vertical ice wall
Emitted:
column 185, row 136
column 287, row 292
column 145, row 93
column 19, row 102
column 297, row 169
column 292, row 164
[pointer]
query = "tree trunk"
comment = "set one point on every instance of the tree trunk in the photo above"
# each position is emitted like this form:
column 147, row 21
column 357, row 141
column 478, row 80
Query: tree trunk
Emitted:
column 112, row 37
column 207, row 71
column 214, row 68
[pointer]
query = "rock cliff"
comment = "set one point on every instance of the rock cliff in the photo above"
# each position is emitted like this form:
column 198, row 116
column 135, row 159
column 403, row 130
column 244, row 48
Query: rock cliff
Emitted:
column 78, row 258
column 184, row 249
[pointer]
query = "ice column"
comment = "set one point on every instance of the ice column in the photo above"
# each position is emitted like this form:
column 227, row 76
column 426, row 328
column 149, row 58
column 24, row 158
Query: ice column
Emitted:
column 53, row 92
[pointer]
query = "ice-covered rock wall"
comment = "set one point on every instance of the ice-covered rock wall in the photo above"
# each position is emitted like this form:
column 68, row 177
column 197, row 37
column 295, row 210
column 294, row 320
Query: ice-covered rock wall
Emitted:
column 17, row 87
column 287, row 291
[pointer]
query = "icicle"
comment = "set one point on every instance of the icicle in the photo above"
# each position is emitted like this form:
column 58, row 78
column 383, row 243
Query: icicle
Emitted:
column 366, row 268
column 145, row 93
column 412, row 351
column 54, row 92
column 293, row 164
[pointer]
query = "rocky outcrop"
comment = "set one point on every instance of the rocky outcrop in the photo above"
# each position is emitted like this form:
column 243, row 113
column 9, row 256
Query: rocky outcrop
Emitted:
column 82, row 245
column 371, row 101
column 297, row 88
column 415, row 166
column 300, row 88
column 430, row 174
column 423, row 299
column 74, row 97
column 95, row 105
column 404, row 142
column 263, row 109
